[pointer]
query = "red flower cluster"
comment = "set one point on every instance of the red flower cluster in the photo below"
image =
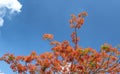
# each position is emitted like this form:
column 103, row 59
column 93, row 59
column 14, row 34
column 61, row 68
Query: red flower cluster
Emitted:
column 77, row 22
column 66, row 59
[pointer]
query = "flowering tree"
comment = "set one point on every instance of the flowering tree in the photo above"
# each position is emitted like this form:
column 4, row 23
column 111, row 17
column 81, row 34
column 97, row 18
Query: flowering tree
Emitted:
column 67, row 59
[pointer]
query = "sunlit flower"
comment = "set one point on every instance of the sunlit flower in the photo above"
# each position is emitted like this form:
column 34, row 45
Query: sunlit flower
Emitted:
column 82, row 14
column 48, row 36
column 28, row 59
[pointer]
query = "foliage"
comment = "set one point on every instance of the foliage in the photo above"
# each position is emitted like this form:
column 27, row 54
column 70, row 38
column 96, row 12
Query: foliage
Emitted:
column 67, row 59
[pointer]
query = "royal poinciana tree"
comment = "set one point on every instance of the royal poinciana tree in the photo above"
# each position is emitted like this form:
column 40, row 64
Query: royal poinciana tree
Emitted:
column 67, row 59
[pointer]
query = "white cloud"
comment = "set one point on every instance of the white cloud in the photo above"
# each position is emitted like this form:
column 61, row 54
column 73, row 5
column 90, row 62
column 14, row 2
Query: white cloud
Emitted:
column 1, row 21
column 7, row 8
column 1, row 72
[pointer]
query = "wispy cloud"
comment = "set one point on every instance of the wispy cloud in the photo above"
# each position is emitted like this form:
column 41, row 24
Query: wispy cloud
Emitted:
column 7, row 8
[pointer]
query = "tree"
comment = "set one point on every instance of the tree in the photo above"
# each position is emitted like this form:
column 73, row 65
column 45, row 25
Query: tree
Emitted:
column 67, row 59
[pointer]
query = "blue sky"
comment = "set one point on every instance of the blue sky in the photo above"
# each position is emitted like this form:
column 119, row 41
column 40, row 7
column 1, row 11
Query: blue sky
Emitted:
column 22, row 33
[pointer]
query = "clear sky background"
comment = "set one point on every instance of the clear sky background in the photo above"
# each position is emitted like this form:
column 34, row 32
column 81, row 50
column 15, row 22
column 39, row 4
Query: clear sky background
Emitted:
column 22, row 33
